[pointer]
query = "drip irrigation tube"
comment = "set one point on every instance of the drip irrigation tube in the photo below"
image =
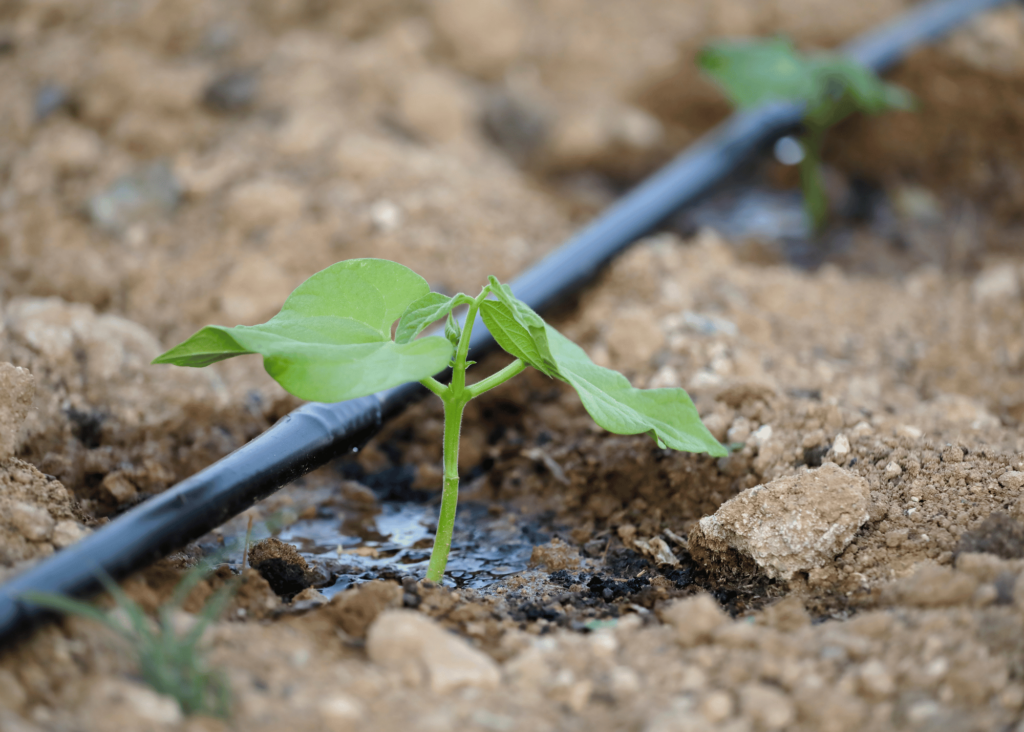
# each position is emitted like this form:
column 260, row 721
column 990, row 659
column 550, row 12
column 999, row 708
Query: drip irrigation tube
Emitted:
column 315, row 433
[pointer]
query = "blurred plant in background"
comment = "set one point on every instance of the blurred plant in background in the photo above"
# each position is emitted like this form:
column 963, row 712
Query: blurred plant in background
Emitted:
column 832, row 88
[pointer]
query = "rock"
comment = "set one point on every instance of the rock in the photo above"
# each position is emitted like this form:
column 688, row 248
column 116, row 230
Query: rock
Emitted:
column 434, row 107
column 34, row 522
column 117, row 486
column 716, row 706
column 66, row 533
column 790, row 525
column 840, row 448
column 1012, row 480
column 694, row 619
column 341, row 711
column 876, row 680
column 355, row 609
column 768, row 707
column 151, row 192
column 71, row 148
column 131, row 702
column 483, row 36
column 516, row 122
column 50, row 98
column 421, row 651
column 554, row 556
column 932, row 586
column 996, row 284
column 231, row 92
column 17, row 389
column 656, row 549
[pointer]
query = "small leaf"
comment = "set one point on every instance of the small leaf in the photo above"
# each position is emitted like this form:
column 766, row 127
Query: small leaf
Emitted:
column 452, row 330
column 421, row 314
column 667, row 415
column 517, row 328
column 332, row 339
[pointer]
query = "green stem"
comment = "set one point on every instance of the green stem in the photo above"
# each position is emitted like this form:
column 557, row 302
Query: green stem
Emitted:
column 455, row 397
column 513, row 369
column 815, row 200
column 435, row 386
column 450, row 492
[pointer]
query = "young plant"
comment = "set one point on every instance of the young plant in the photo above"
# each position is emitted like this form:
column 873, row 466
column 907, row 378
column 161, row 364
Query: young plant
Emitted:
column 332, row 341
column 832, row 88
column 171, row 663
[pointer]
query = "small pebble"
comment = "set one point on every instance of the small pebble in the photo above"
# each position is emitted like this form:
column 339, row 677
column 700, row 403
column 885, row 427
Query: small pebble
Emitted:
column 232, row 92
column 50, row 98
column 33, row 522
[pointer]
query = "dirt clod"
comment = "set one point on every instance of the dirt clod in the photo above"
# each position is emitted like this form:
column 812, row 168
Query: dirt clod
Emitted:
column 694, row 619
column 790, row 525
column 420, row 652
column 555, row 555
column 998, row 534
column 16, row 393
column 281, row 565
column 355, row 609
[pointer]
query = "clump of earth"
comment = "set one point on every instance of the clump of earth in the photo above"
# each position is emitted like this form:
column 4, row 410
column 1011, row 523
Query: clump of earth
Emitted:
column 854, row 563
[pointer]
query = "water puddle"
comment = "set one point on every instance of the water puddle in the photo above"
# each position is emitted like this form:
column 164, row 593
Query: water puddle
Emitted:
column 396, row 541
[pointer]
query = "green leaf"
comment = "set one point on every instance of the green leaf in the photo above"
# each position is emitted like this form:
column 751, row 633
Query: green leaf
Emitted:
column 832, row 87
column 422, row 313
column 517, row 328
column 753, row 72
column 667, row 415
column 332, row 339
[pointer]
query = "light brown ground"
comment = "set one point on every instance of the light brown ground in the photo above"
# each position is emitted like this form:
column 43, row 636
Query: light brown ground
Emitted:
column 364, row 137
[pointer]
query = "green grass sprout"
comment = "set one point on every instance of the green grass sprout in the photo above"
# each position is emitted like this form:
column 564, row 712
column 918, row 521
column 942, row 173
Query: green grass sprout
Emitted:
column 832, row 88
column 170, row 662
column 332, row 341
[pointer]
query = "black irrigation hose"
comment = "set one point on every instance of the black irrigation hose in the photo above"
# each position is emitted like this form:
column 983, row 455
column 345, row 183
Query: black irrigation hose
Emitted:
column 315, row 433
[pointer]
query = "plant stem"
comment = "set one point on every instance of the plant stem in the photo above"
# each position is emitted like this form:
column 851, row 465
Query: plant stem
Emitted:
column 815, row 201
column 513, row 369
column 450, row 492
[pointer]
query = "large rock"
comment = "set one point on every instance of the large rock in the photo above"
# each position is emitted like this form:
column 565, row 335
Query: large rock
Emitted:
column 422, row 651
column 17, row 388
column 790, row 525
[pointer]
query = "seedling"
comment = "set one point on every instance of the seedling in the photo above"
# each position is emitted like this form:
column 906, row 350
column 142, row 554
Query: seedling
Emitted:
column 832, row 88
column 171, row 663
column 333, row 341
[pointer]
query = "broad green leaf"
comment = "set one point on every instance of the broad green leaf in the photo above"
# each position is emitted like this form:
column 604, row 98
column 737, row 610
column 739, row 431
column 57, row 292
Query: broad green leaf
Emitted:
column 833, row 87
column 667, row 415
column 432, row 306
column 751, row 73
column 372, row 291
column 332, row 339
column 517, row 328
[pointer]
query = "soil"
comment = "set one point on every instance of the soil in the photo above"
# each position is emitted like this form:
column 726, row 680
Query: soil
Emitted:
column 854, row 563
